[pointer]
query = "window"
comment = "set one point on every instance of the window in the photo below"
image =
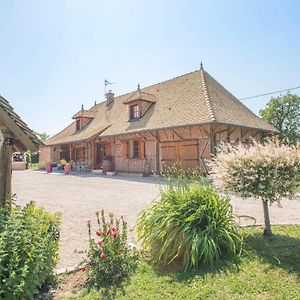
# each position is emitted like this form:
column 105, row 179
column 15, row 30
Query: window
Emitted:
column 134, row 112
column 77, row 124
column 135, row 149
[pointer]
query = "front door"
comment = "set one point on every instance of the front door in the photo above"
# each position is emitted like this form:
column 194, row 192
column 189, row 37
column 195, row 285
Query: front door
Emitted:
column 100, row 154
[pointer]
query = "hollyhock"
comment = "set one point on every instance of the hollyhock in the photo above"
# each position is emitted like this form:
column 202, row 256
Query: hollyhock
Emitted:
column 99, row 232
column 83, row 268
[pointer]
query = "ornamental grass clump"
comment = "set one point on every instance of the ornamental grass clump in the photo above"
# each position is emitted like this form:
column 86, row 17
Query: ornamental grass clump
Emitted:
column 190, row 226
column 269, row 172
column 28, row 250
column 110, row 261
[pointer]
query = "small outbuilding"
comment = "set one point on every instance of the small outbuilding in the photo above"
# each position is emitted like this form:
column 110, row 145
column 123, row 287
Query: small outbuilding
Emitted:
column 15, row 135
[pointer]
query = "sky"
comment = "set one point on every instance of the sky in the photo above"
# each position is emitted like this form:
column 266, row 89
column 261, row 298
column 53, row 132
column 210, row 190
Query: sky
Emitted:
column 55, row 55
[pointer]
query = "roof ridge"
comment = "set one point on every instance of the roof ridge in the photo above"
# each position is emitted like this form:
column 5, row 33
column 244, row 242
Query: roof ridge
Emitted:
column 149, row 86
column 206, row 94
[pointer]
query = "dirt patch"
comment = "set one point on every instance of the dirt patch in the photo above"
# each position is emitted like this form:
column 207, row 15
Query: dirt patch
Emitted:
column 69, row 285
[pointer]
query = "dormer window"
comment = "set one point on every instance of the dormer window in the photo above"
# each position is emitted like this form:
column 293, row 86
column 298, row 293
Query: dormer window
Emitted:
column 134, row 112
column 138, row 103
column 78, row 124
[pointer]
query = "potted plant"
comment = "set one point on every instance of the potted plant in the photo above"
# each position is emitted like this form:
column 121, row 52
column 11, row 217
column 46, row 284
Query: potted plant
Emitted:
column 67, row 168
column 107, row 165
column 48, row 167
column 97, row 169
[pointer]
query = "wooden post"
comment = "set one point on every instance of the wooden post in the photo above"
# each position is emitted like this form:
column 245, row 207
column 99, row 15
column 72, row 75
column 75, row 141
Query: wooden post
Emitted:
column 157, row 157
column 6, row 142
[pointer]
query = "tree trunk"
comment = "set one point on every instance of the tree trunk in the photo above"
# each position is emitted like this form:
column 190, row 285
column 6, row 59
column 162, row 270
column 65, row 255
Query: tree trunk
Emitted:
column 267, row 230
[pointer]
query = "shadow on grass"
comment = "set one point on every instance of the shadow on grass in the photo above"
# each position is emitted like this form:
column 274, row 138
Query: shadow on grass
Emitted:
column 280, row 251
column 225, row 266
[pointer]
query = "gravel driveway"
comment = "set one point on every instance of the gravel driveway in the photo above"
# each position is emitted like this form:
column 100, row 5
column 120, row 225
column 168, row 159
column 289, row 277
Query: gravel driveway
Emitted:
column 77, row 197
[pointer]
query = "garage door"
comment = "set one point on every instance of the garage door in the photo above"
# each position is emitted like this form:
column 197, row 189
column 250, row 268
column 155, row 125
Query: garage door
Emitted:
column 184, row 154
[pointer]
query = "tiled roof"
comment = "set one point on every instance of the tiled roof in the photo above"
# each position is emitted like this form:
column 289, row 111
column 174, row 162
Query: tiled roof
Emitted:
column 139, row 95
column 24, row 136
column 85, row 114
column 190, row 99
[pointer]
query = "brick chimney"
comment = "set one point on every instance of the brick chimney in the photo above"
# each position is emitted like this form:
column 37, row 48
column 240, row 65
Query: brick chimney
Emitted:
column 109, row 97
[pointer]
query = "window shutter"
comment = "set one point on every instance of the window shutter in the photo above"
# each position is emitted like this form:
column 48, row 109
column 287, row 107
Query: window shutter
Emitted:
column 124, row 150
column 142, row 149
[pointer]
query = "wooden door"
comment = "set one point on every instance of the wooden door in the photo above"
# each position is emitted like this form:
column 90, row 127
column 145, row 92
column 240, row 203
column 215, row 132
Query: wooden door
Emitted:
column 188, row 155
column 169, row 155
column 100, row 153
column 184, row 154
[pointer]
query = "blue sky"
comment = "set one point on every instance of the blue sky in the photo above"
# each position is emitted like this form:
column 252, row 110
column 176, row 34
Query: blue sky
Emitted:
column 55, row 55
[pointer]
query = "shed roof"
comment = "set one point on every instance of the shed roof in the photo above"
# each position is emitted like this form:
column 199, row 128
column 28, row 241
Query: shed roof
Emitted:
column 192, row 99
column 25, row 139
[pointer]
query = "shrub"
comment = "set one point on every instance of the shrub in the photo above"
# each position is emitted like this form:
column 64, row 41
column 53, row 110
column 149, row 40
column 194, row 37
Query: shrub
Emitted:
column 110, row 261
column 190, row 225
column 268, row 171
column 28, row 250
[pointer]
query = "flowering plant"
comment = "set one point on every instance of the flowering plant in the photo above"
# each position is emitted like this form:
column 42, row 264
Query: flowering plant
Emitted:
column 109, row 261
column 269, row 171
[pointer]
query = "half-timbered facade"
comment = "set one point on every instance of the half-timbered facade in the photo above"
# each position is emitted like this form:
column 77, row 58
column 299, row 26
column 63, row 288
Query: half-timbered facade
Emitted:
column 180, row 121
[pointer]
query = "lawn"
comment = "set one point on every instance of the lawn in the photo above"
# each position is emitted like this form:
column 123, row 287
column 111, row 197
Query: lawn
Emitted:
column 268, row 269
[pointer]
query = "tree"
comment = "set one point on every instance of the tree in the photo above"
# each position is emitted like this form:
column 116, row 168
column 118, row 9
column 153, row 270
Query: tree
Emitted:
column 283, row 113
column 268, row 172
column 42, row 136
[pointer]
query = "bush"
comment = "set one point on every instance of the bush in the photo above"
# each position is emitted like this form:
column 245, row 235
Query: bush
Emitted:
column 28, row 250
column 190, row 225
column 268, row 171
column 110, row 261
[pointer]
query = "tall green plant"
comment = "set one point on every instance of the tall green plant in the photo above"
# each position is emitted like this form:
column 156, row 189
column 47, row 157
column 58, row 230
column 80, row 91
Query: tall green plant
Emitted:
column 28, row 250
column 190, row 225
column 268, row 172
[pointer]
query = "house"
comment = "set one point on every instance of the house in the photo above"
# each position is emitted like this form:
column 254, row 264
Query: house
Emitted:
column 180, row 120
column 14, row 136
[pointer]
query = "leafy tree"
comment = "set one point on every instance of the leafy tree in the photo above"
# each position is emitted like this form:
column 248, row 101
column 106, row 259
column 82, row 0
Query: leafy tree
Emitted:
column 42, row 136
column 283, row 113
column 268, row 172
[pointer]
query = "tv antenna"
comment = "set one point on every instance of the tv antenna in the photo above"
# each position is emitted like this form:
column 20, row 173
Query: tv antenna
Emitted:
column 106, row 83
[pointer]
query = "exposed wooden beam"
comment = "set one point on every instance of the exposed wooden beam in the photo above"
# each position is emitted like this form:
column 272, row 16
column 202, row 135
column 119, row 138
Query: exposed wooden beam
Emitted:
column 157, row 156
column 173, row 130
column 17, row 131
column 243, row 134
column 153, row 136
column 206, row 132
column 141, row 137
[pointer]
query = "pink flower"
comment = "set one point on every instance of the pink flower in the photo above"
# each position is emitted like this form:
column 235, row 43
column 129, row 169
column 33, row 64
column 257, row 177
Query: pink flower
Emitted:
column 84, row 268
column 114, row 234
column 103, row 255
column 100, row 243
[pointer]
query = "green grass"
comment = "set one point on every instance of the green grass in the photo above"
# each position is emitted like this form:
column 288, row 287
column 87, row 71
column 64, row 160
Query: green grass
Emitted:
column 268, row 269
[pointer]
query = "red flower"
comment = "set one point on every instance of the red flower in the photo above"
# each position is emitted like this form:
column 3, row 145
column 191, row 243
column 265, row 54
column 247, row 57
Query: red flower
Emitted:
column 99, row 233
column 100, row 243
column 113, row 228
column 83, row 268
column 114, row 234
column 103, row 255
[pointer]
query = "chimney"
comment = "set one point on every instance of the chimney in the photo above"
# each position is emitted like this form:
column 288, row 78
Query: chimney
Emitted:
column 109, row 97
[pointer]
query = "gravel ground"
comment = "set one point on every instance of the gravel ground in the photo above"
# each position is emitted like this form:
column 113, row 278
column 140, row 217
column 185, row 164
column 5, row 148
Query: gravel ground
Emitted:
column 78, row 196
